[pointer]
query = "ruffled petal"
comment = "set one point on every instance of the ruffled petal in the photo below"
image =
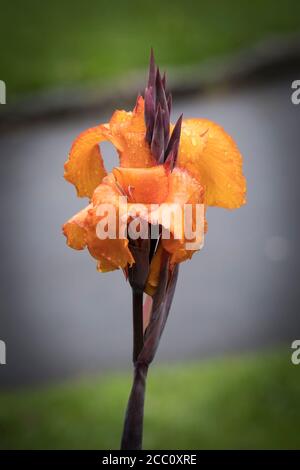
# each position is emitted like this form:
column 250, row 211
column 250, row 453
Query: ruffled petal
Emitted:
column 127, row 132
column 84, row 167
column 184, row 190
column 211, row 156
column 143, row 185
column 74, row 229
column 113, row 251
column 174, row 217
column 81, row 230
column 105, row 266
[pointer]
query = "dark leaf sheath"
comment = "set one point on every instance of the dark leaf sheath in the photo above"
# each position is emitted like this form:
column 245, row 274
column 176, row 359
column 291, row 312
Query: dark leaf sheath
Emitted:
column 157, row 143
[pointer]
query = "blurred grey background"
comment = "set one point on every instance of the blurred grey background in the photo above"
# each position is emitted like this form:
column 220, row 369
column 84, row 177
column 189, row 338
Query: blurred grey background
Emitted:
column 60, row 317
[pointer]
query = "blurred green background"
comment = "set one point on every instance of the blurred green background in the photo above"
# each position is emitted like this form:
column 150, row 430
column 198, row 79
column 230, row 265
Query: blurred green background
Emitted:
column 249, row 402
column 58, row 43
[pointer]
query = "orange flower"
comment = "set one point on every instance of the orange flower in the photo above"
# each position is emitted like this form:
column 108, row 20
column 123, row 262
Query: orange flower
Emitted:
column 164, row 170
column 194, row 162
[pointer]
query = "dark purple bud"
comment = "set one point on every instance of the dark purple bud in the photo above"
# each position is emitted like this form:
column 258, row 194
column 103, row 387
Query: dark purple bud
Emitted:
column 157, row 144
column 164, row 80
column 160, row 91
column 157, row 117
column 152, row 71
column 162, row 100
column 175, row 151
column 149, row 113
column 166, row 125
column 171, row 158
column 174, row 137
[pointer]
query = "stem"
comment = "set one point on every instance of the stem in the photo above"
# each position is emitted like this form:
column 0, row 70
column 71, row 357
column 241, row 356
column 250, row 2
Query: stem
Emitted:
column 138, row 332
column 137, row 275
column 133, row 427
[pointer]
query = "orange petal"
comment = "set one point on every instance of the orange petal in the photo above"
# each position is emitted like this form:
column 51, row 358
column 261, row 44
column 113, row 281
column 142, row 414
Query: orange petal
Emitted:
column 173, row 216
column 143, row 185
column 74, row 229
column 81, row 230
column 184, row 190
column 154, row 271
column 84, row 167
column 115, row 252
column 105, row 266
column 212, row 157
column 127, row 132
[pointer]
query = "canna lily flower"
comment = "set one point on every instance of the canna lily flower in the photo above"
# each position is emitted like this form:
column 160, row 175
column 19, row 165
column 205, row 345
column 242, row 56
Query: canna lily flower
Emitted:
column 193, row 162
column 207, row 169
